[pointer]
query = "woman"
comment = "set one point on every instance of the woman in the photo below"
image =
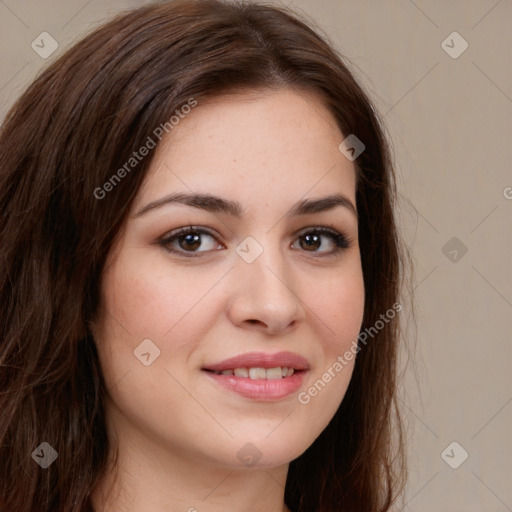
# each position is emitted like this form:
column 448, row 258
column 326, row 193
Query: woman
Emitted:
column 200, row 273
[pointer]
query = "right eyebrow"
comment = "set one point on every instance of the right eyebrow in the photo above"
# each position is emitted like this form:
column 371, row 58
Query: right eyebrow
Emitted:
column 206, row 202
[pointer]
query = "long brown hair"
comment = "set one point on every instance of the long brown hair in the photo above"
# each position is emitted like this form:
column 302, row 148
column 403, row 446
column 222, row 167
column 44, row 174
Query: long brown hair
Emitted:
column 73, row 128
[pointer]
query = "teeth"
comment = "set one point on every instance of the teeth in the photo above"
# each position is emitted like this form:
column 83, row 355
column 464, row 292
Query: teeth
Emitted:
column 275, row 373
column 257, row 373
column 279, row 372
column 288, row 372
column 241, row 372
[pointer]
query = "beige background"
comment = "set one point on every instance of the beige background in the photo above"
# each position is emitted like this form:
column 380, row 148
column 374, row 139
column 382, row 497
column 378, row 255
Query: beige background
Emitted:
column 450, row 120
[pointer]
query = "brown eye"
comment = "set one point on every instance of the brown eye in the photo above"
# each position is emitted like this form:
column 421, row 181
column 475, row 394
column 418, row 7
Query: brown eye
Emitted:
column 310, row 242
column 190, row 241
column 322, row 241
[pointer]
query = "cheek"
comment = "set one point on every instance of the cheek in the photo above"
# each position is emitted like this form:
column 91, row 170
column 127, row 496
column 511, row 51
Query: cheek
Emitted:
column 144, row 299
column 337, row 302
column 147, row 299
column 150, row 298
column 338, row 307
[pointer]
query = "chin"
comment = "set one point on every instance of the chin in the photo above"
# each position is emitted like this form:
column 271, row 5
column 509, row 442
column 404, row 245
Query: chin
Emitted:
column 265, row 452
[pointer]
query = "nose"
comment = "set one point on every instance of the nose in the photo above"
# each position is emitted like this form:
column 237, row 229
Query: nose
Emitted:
column 264, row 298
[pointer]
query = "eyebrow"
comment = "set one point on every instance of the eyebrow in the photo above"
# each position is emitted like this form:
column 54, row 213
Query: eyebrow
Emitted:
column 215, row 204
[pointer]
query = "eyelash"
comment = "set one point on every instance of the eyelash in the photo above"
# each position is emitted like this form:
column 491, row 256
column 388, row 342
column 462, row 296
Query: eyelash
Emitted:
column 340, row 241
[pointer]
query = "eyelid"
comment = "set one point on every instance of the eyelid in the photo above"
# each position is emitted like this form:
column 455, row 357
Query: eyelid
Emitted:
column 324, row 228
column 339, row 238
column 184, row 230
column 170, row 236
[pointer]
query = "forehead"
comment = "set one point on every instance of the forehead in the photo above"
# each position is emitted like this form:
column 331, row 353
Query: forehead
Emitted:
column 263, row 145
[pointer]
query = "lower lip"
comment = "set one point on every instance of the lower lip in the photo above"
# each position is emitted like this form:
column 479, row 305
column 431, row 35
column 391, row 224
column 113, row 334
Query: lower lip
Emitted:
column 260, row 389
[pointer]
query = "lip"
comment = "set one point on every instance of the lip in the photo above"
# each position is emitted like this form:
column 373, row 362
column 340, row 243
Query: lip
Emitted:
column 261, row 360
column 260, row 389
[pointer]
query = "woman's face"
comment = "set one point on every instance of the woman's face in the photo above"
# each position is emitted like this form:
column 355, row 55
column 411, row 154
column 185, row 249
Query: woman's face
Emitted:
column 270, row 273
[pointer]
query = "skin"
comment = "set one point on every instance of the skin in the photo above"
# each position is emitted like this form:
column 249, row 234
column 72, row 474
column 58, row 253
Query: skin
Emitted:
column 178, row 432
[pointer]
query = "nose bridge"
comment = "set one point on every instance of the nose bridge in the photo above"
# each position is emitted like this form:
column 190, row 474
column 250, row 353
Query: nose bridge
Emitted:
column 265, row 289
column 268, row 271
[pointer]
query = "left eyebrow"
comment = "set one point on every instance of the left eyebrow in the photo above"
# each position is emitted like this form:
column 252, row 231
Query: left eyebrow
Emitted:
column 217, row 204
column 323, row 204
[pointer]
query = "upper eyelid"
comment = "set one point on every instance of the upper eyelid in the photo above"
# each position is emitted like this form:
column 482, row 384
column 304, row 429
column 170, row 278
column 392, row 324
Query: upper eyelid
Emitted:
column 185, row 230
column 330, row 229
column 190, row 229
column 208, row 231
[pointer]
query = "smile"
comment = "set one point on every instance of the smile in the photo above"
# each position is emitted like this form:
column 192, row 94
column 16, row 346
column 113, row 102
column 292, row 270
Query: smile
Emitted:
column 258, row 373
column 260, row 376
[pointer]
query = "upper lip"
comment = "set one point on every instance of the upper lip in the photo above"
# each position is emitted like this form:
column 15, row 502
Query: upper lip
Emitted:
column 261, row 360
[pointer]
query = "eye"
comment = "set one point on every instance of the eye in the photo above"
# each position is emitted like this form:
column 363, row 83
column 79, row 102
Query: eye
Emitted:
column 190, row 240
column 320, row 239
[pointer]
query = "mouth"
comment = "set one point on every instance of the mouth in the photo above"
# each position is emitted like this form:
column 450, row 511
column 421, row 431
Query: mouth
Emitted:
column 260, row 365
column 260, row 376
column 257, row 372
